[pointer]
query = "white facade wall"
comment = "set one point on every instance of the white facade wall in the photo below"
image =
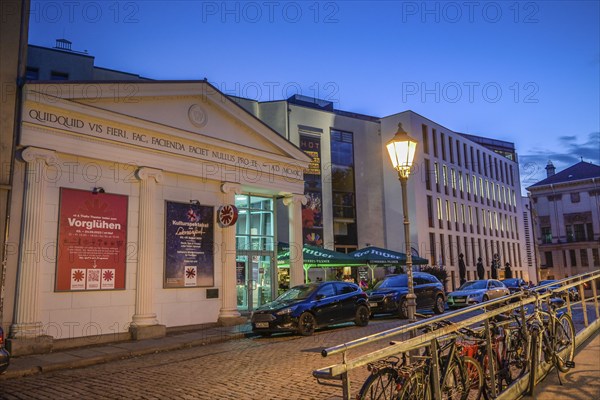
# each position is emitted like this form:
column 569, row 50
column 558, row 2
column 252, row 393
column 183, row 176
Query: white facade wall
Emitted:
column 224, row 151
column 507, row 242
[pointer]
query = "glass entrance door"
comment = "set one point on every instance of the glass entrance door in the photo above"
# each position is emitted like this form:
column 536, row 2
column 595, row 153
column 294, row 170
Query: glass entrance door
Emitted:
column 254, row 277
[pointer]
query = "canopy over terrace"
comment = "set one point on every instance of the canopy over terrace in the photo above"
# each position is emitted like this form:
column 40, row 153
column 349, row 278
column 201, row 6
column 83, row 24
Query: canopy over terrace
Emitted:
column 373, row 257
column 317, row 257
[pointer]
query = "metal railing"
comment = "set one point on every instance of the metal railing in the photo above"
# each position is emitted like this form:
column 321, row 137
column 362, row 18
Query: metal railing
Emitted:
column 340, row 372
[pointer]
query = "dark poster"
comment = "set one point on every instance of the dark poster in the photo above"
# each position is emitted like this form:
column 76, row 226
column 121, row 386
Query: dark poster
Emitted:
column 92, row 238
column 189, row 240
column 312, row 212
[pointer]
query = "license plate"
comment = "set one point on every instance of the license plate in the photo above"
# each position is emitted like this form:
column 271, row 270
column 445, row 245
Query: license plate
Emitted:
column 459, row 300
column 373, row 304
column 262, row 324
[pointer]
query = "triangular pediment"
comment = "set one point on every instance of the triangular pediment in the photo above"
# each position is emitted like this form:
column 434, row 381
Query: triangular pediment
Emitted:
column 193, row 108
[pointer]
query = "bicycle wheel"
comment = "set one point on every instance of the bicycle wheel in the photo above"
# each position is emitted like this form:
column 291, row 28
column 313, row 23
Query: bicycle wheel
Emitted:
column 534, row 357
column 515, row 363
column 416, row 387
column 474, row 378
column 487, row 373
column 454, row 385
column 564, row 343
column 380, row 385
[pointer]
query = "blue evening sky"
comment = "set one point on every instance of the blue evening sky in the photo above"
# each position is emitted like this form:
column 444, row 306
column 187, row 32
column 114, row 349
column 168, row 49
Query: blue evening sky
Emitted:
column 523, row 71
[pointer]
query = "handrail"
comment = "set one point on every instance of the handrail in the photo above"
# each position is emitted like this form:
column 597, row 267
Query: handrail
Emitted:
column 515, row 301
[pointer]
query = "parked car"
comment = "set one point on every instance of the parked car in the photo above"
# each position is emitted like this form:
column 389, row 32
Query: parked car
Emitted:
column 479, row 291
column 304, row 308
column 390, row 294
column 573, row 292
column 515, row 284
column 4, row 356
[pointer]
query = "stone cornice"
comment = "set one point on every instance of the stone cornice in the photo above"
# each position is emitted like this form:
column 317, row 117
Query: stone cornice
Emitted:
column 294, row 198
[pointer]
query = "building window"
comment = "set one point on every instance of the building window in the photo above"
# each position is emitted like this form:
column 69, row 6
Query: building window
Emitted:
column 546, row 234
column 595, row 257
column 435, row 147
column 549, row 262
column 425, row 139
column 427, row 175
column 430, row 211
column 584, row 258
column 439, row 212
column 575, row 197
column 576, row 233
column 442, row 252
column 59, row 76
column 432, row 258
column 450, row 250
column 342, row 186
column 443, row 142
column 572, row 258
column 255, row 227
column 451, row 149
column 32, row 74
column 458, row 157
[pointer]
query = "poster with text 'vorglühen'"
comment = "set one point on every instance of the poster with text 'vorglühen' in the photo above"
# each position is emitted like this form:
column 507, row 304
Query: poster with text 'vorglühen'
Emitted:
column 189, row 241
column 92, row 240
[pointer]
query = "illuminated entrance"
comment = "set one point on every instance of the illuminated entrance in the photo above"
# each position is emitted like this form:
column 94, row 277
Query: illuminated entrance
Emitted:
column 255, row 251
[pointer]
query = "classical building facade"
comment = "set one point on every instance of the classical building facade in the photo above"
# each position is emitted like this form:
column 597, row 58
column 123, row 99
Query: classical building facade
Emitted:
column 125, row 220
column 566, row 214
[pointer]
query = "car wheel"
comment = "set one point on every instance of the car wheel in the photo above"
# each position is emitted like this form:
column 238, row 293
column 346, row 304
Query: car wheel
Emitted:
column 403, row 308
column 306, row 324
column 361, row 316
column 440, row 305
column 485, row 298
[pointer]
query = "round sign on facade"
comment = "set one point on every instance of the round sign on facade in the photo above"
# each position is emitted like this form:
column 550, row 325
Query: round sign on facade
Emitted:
column 227, row 215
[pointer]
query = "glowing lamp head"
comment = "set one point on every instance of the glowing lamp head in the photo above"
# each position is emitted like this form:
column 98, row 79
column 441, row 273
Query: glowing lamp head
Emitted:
column 402, row 151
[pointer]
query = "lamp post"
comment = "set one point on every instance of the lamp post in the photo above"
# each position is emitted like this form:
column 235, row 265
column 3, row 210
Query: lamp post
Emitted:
column 402, row 152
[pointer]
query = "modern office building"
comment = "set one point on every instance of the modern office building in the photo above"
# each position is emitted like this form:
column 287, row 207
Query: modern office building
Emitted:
column 462, row 193
column 566, row 214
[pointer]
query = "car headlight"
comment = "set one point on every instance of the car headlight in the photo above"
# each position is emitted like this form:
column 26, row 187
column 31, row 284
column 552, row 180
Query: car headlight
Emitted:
column 475, row 296
column 286, row 311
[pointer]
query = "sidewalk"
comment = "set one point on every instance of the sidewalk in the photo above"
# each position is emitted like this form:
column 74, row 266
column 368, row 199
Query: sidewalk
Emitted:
column 90, row 355
column 580, row 383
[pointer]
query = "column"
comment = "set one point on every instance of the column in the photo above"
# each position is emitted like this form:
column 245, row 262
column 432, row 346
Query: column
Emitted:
column 144, row 323
column 26, row 323
column 229, row 314
column 294, row 203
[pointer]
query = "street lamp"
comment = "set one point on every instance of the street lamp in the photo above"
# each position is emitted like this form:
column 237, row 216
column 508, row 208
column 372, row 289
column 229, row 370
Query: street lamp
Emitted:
column 402, row 152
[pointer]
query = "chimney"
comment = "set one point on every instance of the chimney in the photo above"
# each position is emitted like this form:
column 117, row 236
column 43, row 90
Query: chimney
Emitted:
column 63, row 44
column 550, row 170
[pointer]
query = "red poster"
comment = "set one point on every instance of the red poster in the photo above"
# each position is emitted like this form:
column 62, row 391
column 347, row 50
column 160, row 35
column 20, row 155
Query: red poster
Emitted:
column 92, row 239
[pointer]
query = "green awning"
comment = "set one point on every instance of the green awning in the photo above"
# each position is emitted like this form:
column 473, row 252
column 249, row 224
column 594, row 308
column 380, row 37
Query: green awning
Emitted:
column 376, row 255
column 319, row 257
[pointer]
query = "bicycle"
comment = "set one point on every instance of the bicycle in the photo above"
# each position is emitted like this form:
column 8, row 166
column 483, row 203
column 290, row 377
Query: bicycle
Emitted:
column 461, row 377
column 508, row 350
column 552, row 338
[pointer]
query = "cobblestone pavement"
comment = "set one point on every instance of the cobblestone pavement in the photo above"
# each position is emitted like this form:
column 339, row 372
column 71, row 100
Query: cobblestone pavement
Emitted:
column 279, row 367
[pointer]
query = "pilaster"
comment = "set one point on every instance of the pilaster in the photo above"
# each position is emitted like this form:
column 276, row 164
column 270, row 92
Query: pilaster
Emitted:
column 294, row 203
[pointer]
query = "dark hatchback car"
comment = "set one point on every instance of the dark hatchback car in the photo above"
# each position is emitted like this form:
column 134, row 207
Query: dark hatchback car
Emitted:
column 304, row 308
column 515, row 284
column 4, row 356
column 573, row 293
column 390, row 295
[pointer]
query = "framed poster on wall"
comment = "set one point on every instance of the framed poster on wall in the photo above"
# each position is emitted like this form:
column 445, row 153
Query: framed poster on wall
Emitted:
column 189, row 241
column 92, row 240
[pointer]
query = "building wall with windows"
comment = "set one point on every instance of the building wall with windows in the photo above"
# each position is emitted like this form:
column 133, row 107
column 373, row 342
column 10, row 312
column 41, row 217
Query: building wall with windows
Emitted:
column 61, row 63
column 462, row 194
column 462, row 198
column 567, row 220
column 531, row 256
